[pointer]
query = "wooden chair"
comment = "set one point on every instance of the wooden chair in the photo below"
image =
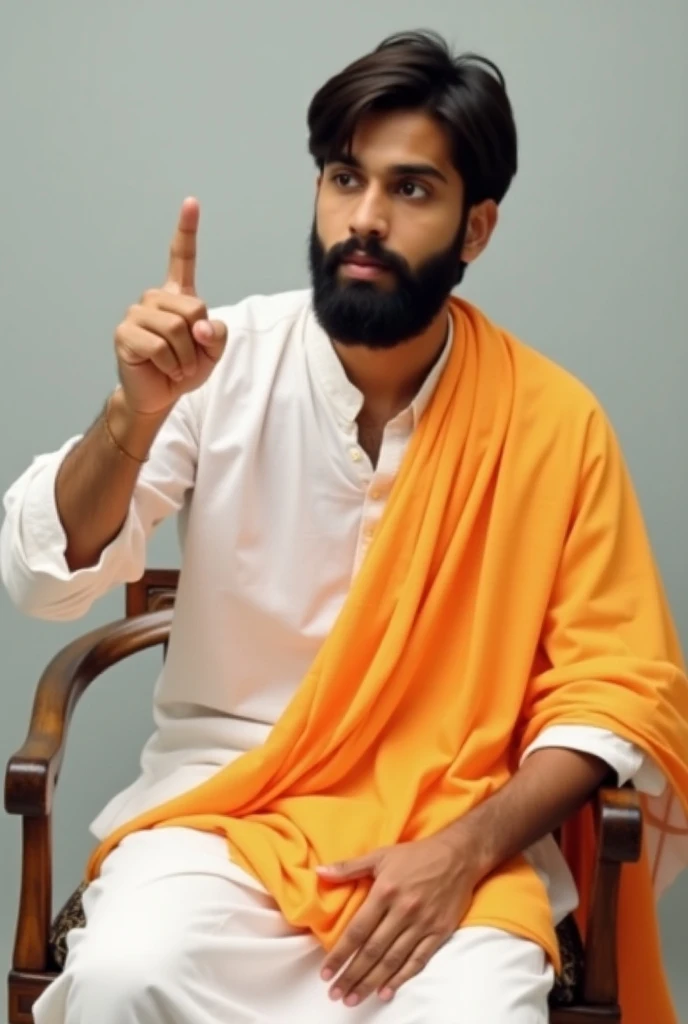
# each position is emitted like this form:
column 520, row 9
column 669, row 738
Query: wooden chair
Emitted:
column 585, row 994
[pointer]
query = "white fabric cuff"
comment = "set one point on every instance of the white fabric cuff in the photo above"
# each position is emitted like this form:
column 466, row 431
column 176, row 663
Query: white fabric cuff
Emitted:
column 629, row 762
column 41, row 535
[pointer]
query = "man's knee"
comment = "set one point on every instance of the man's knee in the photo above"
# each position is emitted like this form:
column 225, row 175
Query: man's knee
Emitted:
column 480, row 975
column 123, row 974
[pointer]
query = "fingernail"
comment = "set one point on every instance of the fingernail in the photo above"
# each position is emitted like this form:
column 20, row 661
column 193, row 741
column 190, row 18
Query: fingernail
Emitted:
column 336, row 994
column 386, row 994
column 352, row 1000
column 204, row 329
column 326, row 974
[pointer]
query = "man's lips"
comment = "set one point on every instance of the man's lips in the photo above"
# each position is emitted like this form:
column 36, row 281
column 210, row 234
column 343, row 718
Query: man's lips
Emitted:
column 358, row 265
column 359, row 260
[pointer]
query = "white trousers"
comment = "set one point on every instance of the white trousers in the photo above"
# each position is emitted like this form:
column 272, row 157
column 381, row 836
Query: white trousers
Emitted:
column 177, row 934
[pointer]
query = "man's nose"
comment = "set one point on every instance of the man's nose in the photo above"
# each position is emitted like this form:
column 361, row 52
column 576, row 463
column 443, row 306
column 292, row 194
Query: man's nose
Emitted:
column 371, row 215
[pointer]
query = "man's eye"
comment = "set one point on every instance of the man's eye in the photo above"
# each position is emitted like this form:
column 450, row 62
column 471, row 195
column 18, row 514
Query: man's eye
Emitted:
column 344, row 179
column 413, row 190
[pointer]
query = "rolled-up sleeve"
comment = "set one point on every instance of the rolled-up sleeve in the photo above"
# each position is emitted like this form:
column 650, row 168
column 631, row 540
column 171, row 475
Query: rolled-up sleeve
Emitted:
column 625, row 759
column 33, row 541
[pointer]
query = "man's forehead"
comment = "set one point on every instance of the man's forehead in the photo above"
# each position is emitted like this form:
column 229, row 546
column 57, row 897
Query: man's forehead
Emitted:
column 400, row 137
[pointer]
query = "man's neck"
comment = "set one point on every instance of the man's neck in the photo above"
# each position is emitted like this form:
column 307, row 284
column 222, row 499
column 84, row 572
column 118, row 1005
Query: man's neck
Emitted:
column 389, row 379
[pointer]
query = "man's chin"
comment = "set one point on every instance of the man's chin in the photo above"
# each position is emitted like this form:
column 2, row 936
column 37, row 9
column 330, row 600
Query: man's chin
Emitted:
column 385, row 282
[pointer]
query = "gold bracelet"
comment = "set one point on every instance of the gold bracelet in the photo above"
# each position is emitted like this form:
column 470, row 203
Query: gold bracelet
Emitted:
column 113, row 440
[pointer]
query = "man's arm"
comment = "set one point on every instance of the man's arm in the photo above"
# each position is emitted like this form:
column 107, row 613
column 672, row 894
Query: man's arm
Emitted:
column 95, row 483
column 34, row 545
column 77, row 519
column 165, row 347
column 550, row 786
column 422, row 888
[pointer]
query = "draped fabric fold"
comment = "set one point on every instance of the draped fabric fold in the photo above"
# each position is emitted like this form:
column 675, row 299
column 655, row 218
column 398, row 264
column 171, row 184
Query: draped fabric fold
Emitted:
column 510, row 587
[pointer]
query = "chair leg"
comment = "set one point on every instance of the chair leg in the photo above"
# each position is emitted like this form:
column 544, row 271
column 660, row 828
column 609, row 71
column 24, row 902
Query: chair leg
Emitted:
column 24, row 988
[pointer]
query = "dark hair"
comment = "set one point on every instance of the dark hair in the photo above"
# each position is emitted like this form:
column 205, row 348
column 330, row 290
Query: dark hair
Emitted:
column 466, row 94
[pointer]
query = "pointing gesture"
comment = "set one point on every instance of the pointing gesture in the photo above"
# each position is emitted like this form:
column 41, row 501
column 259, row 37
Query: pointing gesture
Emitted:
column 166, row 345
column 181, row 271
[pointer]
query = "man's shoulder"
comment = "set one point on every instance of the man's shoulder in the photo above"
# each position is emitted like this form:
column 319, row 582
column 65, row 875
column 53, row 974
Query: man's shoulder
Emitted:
column 264, row 314
column 260, row 330
column 539, row 378
column 555, row 406
column 542, row 388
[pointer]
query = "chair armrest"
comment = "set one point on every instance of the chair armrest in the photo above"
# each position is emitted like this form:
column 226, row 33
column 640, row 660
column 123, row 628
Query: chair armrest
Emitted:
column 619, row 841
column 32, row 772
column 620, row 825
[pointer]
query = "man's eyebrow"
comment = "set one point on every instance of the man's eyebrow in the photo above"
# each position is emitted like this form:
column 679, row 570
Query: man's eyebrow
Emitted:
column 421, row 170
column 346, row 159
column 416, row 169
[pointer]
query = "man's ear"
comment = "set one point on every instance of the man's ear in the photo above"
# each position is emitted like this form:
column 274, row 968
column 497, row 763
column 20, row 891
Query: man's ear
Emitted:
column 482, row 220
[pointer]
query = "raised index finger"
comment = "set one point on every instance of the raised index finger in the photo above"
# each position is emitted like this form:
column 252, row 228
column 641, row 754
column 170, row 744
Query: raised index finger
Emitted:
column 181, row 271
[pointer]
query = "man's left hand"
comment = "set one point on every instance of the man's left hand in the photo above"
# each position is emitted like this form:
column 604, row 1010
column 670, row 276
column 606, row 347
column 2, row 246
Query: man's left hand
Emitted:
column 420, row 893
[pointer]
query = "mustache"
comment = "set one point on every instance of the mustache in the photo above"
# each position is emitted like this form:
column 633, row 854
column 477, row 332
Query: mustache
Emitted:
column 371, row 247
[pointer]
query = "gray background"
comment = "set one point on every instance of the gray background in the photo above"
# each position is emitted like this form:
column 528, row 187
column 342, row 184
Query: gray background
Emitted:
column 111, row 113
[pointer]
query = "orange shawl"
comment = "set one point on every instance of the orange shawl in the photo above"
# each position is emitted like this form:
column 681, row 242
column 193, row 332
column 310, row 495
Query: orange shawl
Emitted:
column 510, row 587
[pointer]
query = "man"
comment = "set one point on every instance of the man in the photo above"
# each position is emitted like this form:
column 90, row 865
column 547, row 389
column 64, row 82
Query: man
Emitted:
column 418, row 621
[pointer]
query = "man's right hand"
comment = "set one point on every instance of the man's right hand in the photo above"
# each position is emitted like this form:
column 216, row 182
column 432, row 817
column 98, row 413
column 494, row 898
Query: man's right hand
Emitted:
column 166, row 345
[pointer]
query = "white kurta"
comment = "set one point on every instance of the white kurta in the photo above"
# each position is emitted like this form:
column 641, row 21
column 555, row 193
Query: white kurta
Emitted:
column 277, row 506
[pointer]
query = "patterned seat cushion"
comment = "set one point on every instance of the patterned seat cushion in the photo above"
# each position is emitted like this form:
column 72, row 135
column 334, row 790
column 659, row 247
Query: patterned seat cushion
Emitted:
column 566, row 991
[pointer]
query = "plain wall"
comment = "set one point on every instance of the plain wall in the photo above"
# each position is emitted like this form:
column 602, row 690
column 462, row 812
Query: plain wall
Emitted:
column 112, row 112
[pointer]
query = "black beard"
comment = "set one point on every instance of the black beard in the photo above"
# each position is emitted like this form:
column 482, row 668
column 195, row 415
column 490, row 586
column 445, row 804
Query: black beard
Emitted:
column 361, row 313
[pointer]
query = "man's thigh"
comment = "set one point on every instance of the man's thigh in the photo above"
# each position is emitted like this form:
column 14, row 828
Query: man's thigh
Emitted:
column 176, row 932
column 481, row 975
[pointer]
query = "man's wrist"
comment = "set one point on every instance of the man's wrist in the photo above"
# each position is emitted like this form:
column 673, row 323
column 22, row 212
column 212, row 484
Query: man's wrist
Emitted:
column 132, row 431
column 471, row 847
